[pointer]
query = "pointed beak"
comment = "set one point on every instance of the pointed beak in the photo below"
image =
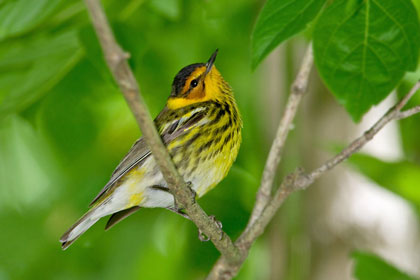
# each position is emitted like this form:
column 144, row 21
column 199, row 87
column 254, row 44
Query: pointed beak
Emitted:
column 210, row 63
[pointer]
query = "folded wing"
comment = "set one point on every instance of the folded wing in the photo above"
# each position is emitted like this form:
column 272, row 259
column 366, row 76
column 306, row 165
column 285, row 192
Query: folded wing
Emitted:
column 139, row 152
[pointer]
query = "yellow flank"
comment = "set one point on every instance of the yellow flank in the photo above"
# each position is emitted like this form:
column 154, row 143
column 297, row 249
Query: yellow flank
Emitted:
column 221, row 163
column 135, row 199
column 134, row 177
column 136, row 173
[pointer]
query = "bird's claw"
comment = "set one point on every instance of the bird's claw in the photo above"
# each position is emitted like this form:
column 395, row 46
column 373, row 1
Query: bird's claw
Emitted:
column 202, row 236
column 194, row 193
column 205, row 238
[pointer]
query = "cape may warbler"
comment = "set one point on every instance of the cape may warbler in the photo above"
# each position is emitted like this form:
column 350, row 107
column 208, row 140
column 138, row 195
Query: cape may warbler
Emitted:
column 200, row 126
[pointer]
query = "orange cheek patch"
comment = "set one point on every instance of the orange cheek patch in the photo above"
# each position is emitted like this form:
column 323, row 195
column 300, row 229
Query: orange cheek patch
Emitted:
column 197, row 72
column 197, row 92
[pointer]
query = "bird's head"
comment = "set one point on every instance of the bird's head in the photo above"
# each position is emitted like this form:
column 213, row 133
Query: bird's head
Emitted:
column 197, row 82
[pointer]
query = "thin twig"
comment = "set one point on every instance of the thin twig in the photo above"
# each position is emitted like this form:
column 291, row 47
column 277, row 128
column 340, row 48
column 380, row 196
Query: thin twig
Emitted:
column 408, row 113
column 296, row 92
column 225, row 269
column 299, row 180
column 116, row 59
column 392, row 114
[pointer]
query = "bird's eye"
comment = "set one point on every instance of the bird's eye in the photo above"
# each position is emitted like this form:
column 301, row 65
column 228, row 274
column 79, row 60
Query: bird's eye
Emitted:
column 194, row 83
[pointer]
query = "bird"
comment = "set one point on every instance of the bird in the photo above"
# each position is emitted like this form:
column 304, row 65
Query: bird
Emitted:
column 200, row 125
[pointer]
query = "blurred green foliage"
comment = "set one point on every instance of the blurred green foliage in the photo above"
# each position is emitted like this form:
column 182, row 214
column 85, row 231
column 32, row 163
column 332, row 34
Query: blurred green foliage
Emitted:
column 371, row 267
column 399, row 176
column 64, row 126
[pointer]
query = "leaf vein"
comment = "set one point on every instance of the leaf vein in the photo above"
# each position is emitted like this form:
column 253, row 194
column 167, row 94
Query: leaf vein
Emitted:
column 345, row 57
column 336, row 30
column 398, row 24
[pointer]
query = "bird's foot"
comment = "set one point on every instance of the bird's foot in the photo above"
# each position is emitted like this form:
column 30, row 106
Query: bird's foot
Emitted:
column 194, row 195
column 203, row 237
column 193, row 192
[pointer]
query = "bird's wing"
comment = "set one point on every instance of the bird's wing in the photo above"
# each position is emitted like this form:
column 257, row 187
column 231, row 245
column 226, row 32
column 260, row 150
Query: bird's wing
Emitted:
column 139, row 152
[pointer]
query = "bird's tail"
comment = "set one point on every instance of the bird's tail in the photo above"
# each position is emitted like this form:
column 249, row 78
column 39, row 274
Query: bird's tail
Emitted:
column 76, row 230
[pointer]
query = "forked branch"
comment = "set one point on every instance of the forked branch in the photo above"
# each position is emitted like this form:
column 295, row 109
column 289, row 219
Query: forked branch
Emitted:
column 233, row 255
column 299, row 180
column 298, row 89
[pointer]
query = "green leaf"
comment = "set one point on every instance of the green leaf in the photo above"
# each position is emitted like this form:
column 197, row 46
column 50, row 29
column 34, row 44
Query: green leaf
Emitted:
column 278, row 21
column 371, row 267
column 400, row 177
column 168, row 8
column 74, row 129
column 23, row 151
column 20, row 16
column 363, row 48
column 31, row 67
column 93, row 51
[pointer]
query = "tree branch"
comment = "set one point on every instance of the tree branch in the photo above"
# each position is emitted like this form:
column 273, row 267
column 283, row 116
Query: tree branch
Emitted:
column 297, row 91
column 233, row 255
column 299, row 180
column 393, row 113
column 408, row 113
column 116, row 59
column 225, row 268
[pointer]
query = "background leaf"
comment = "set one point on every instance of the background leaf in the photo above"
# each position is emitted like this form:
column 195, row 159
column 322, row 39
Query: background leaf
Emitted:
column 278, row 21
column 168, row 8
column 66, row 126
column 31, row 67
column 398, row 177
column 23, row 150
column 22, row 15
column 363, row 48
column 371, row 267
